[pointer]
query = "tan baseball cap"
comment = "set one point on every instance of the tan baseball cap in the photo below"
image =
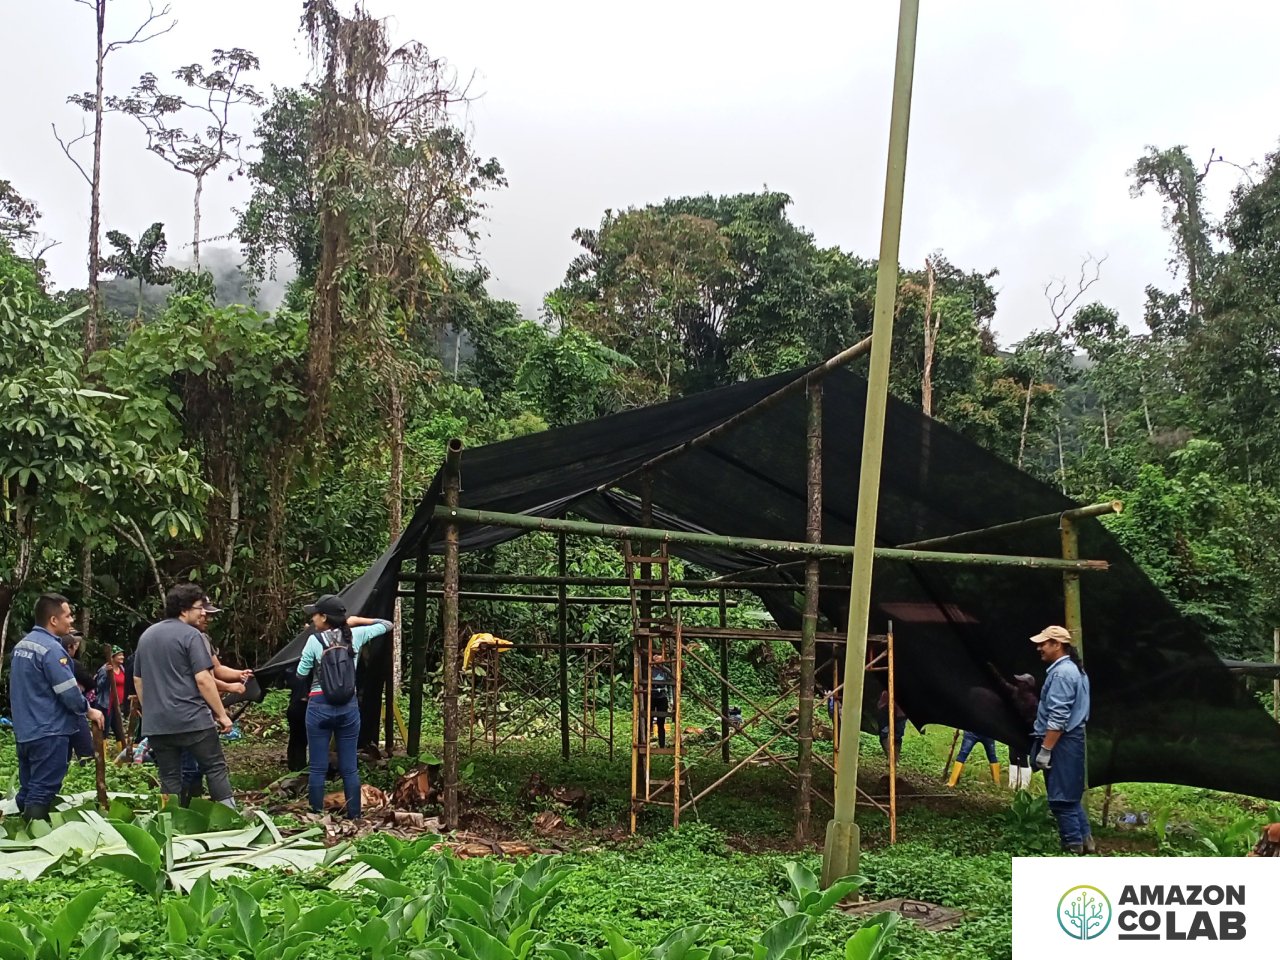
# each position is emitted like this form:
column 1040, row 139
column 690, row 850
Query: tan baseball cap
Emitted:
column 1060, row 634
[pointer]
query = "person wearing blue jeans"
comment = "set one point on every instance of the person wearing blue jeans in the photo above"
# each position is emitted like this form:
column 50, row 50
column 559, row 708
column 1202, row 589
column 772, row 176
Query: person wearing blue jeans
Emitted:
column 1058, row 737
column 967, row 743
column 327, row 721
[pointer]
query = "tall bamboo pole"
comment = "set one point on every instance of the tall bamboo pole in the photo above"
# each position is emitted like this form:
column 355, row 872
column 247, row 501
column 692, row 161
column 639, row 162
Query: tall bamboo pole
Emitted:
column 809, row 623
column 724, row 681
column 1275, row 684
column 562, row 635
column 843, row 847
column 1071, row 602
column 418, row 661
column 521, row 521
column 449, row 660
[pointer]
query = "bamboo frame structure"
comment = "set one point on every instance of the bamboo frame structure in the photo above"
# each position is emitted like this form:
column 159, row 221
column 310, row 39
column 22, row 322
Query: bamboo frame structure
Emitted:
column 521, row 521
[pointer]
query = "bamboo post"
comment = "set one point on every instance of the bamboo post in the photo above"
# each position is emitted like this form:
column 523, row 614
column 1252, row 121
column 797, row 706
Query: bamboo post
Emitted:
column 809, row 623
column 724, row 682
column 1071, row 601
column 677, row 732
column 893, row 744
column 1077, row 513
column 842, row 850
column 1275, row 684
column 562, row 634
column 521, row 521
column 452, row 487
column 418, row 661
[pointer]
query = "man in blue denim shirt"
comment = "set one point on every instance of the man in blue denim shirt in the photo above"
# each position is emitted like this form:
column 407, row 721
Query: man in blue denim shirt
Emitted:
column 1058, row 737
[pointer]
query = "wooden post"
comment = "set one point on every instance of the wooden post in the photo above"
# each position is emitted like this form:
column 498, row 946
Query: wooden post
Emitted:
column 1071, row 601
column 893, row 745
column 418, row 654
column 562, row 635
column 724, row 682
column 809, row 624
column 1275, row 684
column 449, row 659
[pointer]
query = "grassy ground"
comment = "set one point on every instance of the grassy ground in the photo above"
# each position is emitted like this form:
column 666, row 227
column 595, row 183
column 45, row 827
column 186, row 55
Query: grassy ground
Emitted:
column 725, row 866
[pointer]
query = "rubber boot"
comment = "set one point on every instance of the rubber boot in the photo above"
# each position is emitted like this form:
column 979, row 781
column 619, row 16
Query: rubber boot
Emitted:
column 35, row 811
column 1090, row 846
column 956, row 770
column 995, row 774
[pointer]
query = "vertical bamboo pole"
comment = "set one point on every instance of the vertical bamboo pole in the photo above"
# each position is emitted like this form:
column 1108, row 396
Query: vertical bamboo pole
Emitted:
column 893, row 745
column 809, row 623
column 1071, row 602
column 449, row 660
column 677, row 731
column 562, row 635
column 842, row 850
column 418, row 655
column 1275, row 684
column 724, row 682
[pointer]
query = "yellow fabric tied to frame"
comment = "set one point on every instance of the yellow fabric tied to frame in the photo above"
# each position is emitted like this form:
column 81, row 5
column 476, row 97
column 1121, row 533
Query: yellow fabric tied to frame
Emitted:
column 485, row 641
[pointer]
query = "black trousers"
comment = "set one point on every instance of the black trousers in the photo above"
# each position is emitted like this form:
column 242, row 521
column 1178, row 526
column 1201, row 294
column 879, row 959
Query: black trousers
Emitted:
column 206, row 747
column 296, row 716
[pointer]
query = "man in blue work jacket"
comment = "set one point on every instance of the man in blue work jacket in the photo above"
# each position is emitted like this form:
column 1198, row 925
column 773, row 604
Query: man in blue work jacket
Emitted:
column 1058, row 736
column 47, row 707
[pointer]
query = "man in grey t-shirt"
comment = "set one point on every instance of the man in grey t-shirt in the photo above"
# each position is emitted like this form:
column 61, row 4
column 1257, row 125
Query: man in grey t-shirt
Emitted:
column 181, row 709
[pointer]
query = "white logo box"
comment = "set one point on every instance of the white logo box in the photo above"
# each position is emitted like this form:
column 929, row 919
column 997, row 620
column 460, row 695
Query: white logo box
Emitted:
column 1146, row 907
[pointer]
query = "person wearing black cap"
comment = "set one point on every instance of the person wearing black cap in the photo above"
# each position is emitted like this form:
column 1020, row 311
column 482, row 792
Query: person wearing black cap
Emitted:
column 328, row 662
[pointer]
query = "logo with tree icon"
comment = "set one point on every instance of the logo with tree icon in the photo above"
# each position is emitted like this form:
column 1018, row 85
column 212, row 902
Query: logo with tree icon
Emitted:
column 1084, row 912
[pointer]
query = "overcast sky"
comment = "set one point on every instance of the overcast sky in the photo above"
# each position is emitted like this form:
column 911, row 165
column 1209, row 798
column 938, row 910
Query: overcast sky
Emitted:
column 1026, row 117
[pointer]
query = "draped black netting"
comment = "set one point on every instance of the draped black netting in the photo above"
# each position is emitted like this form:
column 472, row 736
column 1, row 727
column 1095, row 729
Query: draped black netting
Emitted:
column 1165, row 708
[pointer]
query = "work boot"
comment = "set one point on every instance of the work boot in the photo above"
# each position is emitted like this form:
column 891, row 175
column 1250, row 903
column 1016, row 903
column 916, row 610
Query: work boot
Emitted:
column 1075, row 848
column 956, row 770
column 1089, row 845
column 995, row 774
column 35, row 811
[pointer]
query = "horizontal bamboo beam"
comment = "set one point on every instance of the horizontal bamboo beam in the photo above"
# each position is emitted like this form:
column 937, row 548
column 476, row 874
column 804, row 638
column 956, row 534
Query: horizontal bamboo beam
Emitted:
column 798, row 385
column 535, row 580
column 1078, row 513
column 749, row 633
column 552, row 598
column 520, row 521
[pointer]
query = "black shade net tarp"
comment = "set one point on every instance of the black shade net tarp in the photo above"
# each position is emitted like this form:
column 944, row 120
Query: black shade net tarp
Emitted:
column 1165, row 707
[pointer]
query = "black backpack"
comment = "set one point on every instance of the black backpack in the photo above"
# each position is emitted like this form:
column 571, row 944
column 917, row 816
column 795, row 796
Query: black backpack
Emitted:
column 337, row 668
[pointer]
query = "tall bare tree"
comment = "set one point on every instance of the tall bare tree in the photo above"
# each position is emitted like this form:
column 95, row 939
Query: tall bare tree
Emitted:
column 212, row 95
column 156, row 23
column 1043, row 347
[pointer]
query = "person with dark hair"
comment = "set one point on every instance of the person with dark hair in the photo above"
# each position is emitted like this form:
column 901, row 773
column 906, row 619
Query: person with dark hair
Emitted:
column 328, row 661
column 1058, row 736
column 228, row 680
column 82, row 739
column 109, row 685
column 47, row 706
column 1026, row 701
column 178, row 696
